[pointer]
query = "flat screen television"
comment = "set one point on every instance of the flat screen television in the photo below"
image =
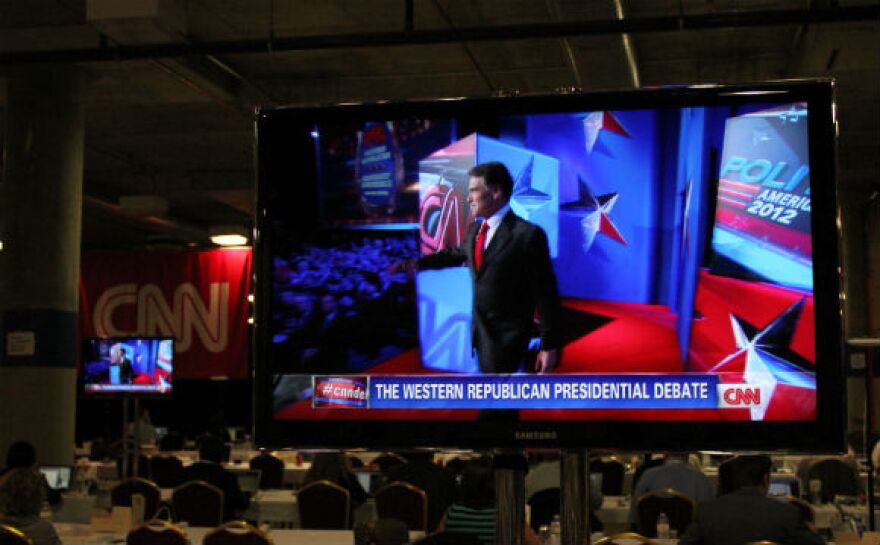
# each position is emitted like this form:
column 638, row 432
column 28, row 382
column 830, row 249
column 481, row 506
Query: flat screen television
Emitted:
column 692, row 237
column 128, row 365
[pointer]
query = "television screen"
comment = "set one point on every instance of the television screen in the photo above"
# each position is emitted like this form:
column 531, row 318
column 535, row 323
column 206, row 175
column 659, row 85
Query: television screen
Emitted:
column 670, row 251
column 57, row 477
column 128, row 365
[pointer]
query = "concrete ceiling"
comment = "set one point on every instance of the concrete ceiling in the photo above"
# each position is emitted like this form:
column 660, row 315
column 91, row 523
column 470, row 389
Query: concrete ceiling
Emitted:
column 173, row 84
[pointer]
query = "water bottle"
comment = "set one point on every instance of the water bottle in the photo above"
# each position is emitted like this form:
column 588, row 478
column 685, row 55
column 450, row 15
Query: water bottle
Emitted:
column 663, row 526
column 555, row 531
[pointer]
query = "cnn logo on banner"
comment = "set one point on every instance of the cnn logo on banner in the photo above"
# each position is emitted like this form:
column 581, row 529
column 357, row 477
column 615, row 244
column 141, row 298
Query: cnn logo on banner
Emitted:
column 739, row 396
column 186, row 314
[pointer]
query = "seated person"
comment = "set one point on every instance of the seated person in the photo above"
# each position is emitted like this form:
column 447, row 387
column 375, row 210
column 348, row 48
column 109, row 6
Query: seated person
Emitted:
column 22, row 491
column 23, row 454
column 143, row 429
column 437, row 482
column 209, row 468
column 675, row 473
column 336, row 468
column 747, row 514
column 475, row 512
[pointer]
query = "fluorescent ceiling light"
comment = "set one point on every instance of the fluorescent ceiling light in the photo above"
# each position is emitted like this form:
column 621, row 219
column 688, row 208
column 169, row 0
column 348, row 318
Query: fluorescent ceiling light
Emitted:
column 229, row 239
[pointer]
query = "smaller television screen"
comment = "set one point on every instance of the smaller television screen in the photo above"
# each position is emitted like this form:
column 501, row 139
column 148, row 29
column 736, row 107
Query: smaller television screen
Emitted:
column 58, row 477
column 128, row 365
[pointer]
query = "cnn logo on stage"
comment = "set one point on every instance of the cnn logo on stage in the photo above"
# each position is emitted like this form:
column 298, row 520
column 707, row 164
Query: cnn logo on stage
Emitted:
column 739, row 396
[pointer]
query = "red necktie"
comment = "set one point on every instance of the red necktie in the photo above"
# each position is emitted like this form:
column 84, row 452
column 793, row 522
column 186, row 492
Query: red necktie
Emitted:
column 481, row 241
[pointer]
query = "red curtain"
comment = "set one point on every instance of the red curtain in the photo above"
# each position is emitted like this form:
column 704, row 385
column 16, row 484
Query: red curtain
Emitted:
column 199, row 298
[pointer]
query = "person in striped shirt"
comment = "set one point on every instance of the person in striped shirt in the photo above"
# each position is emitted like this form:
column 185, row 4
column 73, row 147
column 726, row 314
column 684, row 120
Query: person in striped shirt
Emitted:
column 475, row 512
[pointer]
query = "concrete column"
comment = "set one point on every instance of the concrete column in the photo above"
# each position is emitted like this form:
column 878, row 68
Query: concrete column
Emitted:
column 574, row 512
column 40, row 225
column 510, row 500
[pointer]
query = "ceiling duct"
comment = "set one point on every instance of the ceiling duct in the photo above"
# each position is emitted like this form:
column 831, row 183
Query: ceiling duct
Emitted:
column 144, row 205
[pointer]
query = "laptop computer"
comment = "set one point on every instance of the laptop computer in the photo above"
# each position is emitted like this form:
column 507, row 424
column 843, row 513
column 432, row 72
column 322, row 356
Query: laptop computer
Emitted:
column 787, row 486
column 248, row 480
column 370, row 481
column 58, row 477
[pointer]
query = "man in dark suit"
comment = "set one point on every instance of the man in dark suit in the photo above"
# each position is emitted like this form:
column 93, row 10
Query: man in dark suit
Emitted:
column 119, row 358
column 513, row 278
column 747, row 514
column 210, row 470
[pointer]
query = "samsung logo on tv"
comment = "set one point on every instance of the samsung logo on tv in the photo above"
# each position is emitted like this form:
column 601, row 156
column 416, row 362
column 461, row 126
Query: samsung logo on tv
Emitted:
column 534, row 435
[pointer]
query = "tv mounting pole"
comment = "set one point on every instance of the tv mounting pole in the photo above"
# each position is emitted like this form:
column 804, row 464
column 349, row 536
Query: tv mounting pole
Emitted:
column 871, row 348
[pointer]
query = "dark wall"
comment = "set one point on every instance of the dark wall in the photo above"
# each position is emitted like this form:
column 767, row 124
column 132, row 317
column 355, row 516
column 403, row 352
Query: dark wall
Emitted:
column 192, row 409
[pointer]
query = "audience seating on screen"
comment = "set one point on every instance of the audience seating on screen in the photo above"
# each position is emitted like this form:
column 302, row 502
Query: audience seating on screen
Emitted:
column 323, row 505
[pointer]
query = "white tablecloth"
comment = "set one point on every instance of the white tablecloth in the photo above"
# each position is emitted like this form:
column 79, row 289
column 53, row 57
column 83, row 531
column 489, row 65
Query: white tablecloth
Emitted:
column 82, row 534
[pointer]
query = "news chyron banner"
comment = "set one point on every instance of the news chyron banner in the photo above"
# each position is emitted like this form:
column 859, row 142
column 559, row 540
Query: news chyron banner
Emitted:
column 599, row 391
column 199, row 298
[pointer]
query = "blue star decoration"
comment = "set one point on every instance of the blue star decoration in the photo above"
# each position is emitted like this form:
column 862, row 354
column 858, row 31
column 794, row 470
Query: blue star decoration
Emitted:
column 524, row 192
column 595, row 214
column 595, row 122
column 764, row 356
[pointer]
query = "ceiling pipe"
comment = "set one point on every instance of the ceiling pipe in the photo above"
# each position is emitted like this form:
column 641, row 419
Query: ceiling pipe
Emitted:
column 632, row 25
column 174, row 228
column 628, row 47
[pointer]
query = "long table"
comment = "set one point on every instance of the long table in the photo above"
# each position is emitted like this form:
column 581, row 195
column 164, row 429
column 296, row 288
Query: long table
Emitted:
column 273, row 507
column 82, row 534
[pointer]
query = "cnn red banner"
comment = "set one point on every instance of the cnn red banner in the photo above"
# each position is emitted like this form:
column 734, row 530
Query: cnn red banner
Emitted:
column 199, row 298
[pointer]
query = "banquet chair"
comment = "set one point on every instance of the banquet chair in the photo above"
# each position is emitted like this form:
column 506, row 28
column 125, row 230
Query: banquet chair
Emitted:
column 543, row 504
column 167, row 471
column 198, row 503
column 271, row 470
column 13, row 536
column 405, row 502
column 121, row 494
column 627, row 536
column 387, row 460
column 613, row 471
column 323, row 505
column 157, row 532
column 237, row 532
column 726, row 476
column 677, row 506
column 837, row 477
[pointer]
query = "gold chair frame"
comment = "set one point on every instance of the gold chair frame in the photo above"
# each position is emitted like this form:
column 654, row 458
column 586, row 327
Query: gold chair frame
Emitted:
column 159, row 525
column 239, row 525
column 333, row 485
column 412, row 488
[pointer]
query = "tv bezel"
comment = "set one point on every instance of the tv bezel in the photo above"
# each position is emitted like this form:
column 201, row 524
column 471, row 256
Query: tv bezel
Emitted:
column 276, row 131
column 133, row 393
